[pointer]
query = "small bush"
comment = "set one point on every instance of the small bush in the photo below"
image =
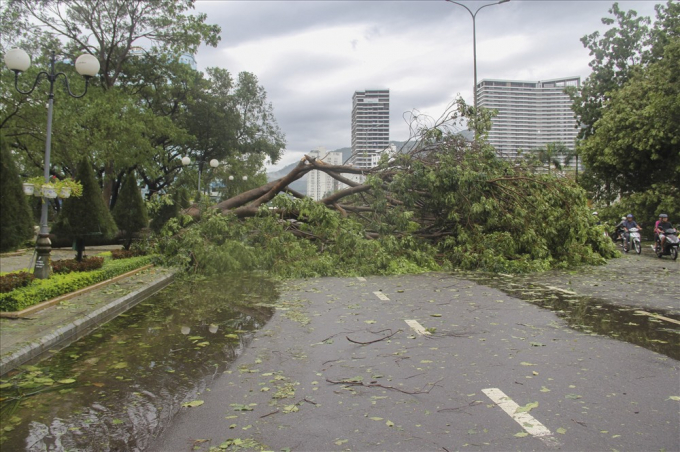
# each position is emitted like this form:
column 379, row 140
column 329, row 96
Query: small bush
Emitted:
column 13, row 281
column 126, row 254
column 72, row 265
column 60, row 284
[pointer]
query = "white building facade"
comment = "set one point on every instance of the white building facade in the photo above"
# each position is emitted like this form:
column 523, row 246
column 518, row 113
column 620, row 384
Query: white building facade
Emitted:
column 530, row 114
column 370, row 126
column 320, row 184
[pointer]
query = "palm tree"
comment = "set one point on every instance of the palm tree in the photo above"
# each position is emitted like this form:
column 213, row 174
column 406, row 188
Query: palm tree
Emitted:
column 555, row 154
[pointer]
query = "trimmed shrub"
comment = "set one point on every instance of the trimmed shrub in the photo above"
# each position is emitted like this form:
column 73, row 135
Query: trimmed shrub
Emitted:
column 74, row 265
column 126, row 254
column 16, row 280
column 16, row 219
column 86, row 216
column 130, row 212
column 46, row 289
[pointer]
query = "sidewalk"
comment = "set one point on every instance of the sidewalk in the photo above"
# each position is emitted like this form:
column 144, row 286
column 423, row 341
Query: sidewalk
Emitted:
column 33, row 338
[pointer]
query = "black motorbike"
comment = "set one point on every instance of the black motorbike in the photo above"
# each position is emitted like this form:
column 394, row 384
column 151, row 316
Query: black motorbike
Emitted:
column 670, row 246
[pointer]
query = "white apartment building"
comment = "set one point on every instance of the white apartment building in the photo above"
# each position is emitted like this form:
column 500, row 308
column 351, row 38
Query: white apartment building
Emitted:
column 370, row 126
column 320, row 184
column 530, row 114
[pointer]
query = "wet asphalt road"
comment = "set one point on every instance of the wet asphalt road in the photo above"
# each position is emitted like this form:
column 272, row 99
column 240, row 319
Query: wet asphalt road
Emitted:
column 339, row 368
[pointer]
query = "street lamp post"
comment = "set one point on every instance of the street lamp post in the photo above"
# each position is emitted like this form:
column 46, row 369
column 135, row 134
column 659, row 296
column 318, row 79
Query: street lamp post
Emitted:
column 474, row 41
column 18, row 61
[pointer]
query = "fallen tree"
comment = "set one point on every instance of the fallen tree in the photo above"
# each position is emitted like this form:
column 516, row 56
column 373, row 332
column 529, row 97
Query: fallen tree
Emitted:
column 444, row 203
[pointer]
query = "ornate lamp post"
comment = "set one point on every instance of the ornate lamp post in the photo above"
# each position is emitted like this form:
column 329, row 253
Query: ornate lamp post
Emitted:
column 18, row 61
column 474, row 40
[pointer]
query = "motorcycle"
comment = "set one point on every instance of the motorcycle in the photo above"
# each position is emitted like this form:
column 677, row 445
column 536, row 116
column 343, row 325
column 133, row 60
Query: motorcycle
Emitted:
column 670, row 247
column 634, row 239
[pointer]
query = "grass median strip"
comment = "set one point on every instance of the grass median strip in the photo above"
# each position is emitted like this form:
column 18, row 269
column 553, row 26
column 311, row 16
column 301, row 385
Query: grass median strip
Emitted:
column 57, row 285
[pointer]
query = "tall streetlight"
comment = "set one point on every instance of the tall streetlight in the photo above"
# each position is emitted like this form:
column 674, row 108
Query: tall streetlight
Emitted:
column 474, row 41
column 18, row 61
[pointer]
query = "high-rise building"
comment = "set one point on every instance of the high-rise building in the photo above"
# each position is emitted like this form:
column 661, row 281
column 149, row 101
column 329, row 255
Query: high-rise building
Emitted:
column 530, row 114
column 370, row 126
column 320, row 184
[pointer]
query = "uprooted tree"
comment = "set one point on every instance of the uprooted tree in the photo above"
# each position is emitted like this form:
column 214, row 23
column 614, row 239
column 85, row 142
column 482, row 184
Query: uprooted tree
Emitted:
column 444, row 203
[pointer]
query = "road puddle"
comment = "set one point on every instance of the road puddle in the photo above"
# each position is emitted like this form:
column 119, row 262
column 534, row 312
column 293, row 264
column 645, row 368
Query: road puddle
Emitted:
column 592, row 315
column 118, row 388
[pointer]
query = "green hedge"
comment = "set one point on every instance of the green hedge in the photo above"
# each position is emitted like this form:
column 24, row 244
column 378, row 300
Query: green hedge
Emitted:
column 46, row 289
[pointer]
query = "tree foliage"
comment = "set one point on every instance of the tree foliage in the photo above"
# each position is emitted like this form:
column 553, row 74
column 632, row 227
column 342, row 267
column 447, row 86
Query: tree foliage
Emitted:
column 445, row 203
column 87, row 216
column 629, row 107
column 157, row 109
column 16, row 219
column 130, row 211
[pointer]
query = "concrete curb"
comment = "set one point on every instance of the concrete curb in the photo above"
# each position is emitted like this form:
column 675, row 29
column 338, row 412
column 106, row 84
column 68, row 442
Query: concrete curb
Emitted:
column 81, row 327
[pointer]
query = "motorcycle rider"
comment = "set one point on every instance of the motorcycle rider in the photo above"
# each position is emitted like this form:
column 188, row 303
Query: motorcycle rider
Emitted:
column 618, row 232
column 629, row 223
column 661, row 229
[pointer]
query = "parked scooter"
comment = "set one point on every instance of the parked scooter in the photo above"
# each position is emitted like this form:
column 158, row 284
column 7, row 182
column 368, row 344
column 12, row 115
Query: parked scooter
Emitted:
column 670, row 247
column 634, row 239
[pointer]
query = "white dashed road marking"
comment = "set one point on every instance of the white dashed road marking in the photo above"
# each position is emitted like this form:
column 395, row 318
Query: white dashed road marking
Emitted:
column 361, row 278
column 527, row 421
column 417, row 327
column 381, row 295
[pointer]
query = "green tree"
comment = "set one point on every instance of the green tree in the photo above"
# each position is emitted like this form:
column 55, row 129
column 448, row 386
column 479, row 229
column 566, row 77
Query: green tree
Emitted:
column 112, row 31
column 555, row 155
column 628, row 106
column 635, row 142
column 130, row 211
column 16, row 222
column 87, row 216
column 616, row 54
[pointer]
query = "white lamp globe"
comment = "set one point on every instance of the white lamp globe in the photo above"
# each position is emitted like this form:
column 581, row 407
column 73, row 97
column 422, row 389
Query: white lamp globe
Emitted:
column 245, row 177
column 214, row 163
column 17, row 60
column 87, row 65
column 231, row 177
column 186, row 161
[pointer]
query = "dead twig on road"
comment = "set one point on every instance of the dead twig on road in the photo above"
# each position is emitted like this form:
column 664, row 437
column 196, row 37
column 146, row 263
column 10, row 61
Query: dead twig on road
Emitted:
column 377, row 340
column 372, row 385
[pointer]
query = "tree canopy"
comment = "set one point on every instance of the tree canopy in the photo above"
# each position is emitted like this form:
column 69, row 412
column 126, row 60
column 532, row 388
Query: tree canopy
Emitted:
column 146, row 109
column 628, row 108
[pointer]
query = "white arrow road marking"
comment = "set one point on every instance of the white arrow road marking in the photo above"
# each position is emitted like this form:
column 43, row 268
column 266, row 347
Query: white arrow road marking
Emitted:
column 417, row 327
column 527, row 421
column 381, row 295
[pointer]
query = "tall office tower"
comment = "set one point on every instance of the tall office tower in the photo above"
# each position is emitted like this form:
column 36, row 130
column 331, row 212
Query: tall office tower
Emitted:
column 530, row 114
column 370, row 126
column 320, row 184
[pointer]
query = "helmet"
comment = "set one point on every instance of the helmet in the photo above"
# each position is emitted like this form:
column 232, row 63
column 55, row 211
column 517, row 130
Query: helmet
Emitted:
column 663, row 215
column 630, row 215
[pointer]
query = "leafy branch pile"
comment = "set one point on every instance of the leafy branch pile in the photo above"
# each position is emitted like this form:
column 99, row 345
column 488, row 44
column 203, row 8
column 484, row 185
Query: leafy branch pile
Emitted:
column 442, row 204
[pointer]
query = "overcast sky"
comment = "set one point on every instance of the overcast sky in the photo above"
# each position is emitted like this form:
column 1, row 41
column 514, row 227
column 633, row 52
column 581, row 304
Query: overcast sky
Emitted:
column 311, row 56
